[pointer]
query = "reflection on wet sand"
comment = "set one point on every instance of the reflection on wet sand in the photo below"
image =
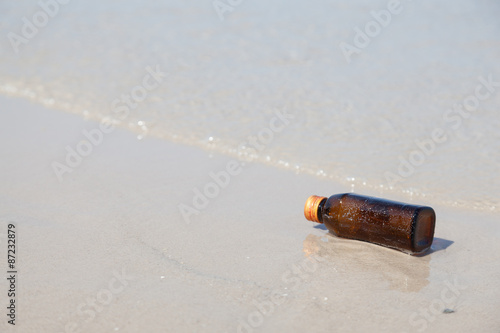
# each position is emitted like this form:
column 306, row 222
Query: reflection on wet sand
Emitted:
column 403, row 272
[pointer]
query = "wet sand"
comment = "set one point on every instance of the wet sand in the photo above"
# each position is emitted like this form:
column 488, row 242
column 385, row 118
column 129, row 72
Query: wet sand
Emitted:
column 108, row 249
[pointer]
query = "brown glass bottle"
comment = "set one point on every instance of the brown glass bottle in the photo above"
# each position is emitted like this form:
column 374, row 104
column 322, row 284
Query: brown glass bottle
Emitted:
column 397, row 225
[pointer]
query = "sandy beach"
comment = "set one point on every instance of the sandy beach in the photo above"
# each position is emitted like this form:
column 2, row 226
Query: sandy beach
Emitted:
column 108, row 249
column 156, row 158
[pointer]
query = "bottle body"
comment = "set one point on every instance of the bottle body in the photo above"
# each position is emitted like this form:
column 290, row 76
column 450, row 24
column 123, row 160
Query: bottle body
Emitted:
column 408, row 228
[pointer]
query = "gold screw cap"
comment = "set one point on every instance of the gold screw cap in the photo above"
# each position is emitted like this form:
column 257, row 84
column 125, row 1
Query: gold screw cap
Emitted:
column 311, row 208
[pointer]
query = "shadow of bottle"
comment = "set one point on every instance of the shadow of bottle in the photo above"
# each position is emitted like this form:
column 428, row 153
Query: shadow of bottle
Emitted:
column 403, row 272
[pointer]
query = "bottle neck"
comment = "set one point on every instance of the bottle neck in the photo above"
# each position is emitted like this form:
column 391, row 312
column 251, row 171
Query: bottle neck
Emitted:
column 320, row 210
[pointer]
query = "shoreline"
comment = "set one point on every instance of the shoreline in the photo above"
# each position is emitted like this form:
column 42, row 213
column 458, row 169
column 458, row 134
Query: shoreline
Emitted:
column 386, row 189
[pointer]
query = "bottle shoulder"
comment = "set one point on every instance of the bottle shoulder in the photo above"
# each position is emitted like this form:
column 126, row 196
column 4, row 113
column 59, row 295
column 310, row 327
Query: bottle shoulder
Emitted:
column 336, row 199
